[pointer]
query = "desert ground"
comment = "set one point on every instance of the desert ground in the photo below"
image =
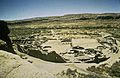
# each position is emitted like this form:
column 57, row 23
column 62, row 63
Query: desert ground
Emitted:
column 69, row 46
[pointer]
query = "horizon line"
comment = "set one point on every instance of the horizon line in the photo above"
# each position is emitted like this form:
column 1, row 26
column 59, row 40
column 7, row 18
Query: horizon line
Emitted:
column 58, row 15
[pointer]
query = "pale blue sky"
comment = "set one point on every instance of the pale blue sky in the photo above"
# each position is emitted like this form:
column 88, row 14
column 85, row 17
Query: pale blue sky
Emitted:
column 23, row 9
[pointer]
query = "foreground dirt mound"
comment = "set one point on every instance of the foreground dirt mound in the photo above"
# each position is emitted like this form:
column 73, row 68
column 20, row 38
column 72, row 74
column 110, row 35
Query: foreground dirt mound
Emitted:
column 12, row 66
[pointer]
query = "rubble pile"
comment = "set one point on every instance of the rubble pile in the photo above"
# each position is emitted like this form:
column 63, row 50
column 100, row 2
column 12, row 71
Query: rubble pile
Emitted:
column 108, row 42
column 33, row 46
column 78, row 54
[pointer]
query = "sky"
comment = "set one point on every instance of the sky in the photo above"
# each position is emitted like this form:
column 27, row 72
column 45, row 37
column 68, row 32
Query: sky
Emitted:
column 24, row 9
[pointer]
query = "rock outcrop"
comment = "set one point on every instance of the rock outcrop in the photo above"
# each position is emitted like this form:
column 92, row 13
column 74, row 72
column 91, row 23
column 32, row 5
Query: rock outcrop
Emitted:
column 12, row 66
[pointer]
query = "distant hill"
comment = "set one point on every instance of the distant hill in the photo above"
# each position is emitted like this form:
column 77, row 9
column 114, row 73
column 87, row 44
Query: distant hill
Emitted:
column 69, row 17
